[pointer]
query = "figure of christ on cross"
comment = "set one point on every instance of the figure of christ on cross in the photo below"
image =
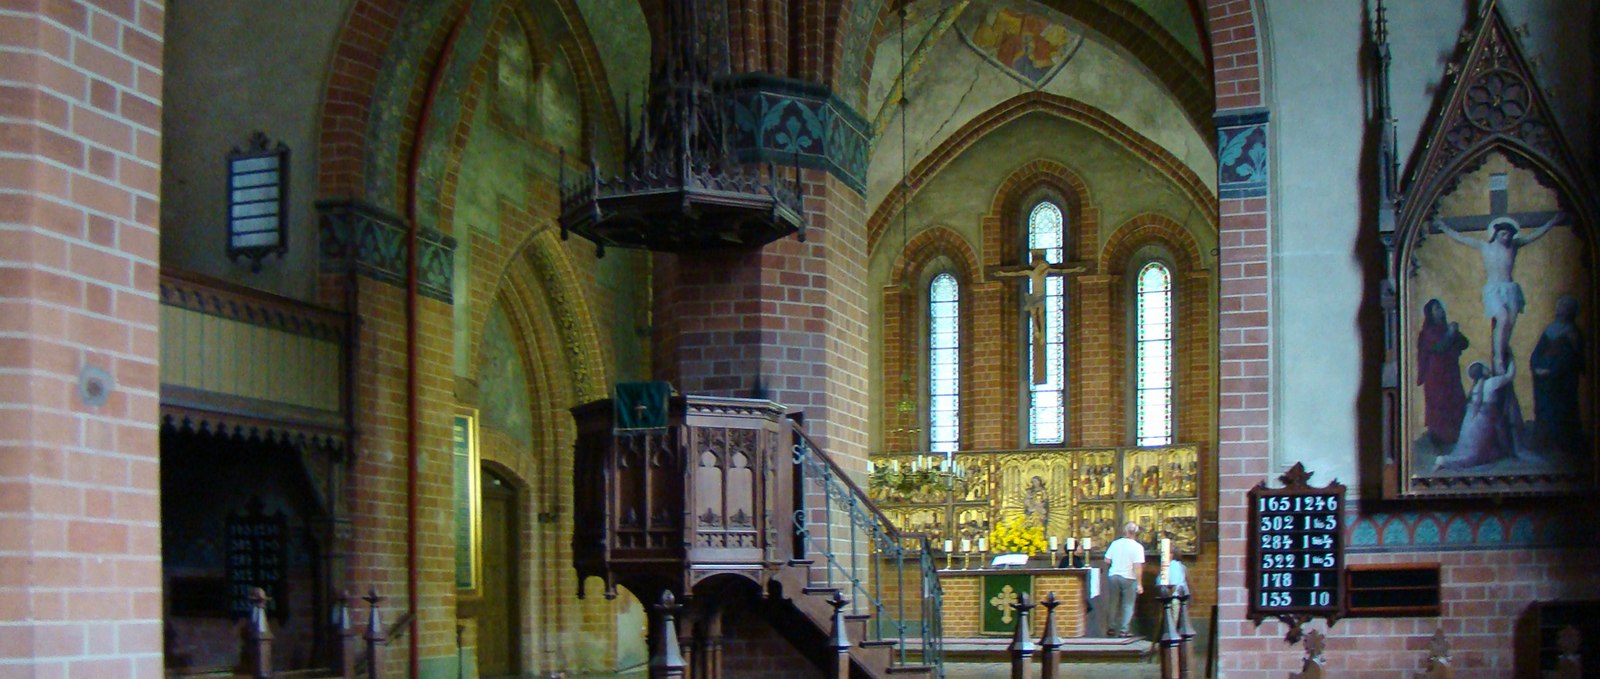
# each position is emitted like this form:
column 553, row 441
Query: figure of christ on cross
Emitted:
column 1502, row 296
column 1036, row 275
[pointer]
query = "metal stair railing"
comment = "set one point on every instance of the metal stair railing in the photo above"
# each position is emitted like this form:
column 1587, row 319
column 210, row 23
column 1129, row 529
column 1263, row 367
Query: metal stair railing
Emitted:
column 867, row 557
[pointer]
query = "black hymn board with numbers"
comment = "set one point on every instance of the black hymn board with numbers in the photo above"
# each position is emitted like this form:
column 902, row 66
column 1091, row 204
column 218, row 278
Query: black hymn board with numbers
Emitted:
column 1295, row 563
column 257, row 557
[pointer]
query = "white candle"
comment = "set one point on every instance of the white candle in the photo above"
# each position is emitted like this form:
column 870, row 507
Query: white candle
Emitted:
column 1072, row 544
column 869, row 466
column 1088, row 544
column 947, row 546
column 966, row 545
column 1052, row 543
column 983, row 544
column 1166, row 560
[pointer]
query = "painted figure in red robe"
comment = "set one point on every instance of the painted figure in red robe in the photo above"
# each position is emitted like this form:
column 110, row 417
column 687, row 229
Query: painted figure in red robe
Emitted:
column 1439, row 347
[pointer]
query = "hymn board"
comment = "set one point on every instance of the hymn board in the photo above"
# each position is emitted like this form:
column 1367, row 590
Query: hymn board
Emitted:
column 1295, row 564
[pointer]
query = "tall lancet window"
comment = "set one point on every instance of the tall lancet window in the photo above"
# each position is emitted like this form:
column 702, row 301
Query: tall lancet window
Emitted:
column 1153, row 402
column 1047, row 402
column 944, row 364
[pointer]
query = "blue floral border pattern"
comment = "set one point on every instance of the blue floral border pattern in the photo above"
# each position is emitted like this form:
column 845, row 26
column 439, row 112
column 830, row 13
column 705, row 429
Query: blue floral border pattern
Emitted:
column 790, row 122
column 1448, row 531
column 377, row 238
column 1242, row 155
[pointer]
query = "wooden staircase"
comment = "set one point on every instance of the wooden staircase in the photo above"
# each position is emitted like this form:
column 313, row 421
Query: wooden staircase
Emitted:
column 728, row 493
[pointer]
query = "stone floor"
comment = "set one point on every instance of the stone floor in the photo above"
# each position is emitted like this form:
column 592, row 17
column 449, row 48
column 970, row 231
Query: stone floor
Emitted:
column 1076, row 670
column 976, row 670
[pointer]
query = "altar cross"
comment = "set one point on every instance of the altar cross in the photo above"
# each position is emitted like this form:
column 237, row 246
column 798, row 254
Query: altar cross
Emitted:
column 1037, row 275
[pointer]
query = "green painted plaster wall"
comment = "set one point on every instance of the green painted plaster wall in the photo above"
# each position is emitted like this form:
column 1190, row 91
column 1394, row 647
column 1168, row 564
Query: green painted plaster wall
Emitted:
column 956, row 85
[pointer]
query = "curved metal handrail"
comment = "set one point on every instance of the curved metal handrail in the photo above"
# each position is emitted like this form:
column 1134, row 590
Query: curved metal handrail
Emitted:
column 837, row 529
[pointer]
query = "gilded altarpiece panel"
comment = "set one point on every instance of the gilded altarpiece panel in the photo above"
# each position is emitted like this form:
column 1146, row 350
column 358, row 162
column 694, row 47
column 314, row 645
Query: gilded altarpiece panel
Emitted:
column 1076, row 493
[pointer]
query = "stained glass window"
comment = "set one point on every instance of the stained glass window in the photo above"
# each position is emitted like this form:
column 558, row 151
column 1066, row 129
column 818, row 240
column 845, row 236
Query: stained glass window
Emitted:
column 1047, row 403
column 944, row 364
column 1153, row 407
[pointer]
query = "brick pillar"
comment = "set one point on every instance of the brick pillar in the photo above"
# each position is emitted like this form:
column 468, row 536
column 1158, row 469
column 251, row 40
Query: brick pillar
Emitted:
column 1096, row 363
column 80, row 149
column 792, row 313
column 993, row 405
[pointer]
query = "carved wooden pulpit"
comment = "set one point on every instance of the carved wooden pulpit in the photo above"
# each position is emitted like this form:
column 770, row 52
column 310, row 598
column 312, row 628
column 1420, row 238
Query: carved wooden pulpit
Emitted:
column 703, row 490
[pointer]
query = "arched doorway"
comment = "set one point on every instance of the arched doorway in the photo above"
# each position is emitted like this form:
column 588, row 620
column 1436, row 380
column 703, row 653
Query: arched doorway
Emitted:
column 499, row 629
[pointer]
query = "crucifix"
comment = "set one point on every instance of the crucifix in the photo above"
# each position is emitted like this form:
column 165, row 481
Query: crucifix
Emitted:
column 1037, row 275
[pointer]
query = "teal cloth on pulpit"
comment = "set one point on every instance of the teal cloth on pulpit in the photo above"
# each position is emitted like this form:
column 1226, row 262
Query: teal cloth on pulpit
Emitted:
column 641, row 405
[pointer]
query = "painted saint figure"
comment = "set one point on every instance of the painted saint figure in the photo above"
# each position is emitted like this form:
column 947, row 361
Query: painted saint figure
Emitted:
column 1557, row 362
column 1439, row 347
column 1485, row 428
column 1502, row 296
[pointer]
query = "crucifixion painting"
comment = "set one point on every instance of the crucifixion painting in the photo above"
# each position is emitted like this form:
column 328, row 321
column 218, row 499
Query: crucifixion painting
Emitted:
column 1475, row 369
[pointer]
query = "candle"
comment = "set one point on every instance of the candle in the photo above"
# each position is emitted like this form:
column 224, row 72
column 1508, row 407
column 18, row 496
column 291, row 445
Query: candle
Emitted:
column 1088, row 544
column 966, row 545
column 1072, row 544
column 1052, row 543
column 983, row 544
column 869, row 466
column 947, row 545
column 1166, row 561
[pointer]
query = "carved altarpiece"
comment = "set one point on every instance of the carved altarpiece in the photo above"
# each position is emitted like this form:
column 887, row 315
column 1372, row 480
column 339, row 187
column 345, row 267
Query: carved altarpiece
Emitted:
column 1494, row 230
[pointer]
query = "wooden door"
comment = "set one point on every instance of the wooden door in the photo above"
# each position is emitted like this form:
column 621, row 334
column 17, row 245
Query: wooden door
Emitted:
column 498, row 629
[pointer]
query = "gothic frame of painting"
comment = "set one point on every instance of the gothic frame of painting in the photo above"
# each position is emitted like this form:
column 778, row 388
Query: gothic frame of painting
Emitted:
column 1495, row 229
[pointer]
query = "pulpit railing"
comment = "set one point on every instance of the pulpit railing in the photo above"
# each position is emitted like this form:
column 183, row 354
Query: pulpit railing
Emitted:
column 884, row 572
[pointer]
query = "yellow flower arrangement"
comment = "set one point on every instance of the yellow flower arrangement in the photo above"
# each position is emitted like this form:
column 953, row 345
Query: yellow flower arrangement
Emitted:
column 1018, row 534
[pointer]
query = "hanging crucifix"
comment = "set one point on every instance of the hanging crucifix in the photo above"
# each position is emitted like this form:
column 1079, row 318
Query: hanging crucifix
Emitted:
column 1037, row 275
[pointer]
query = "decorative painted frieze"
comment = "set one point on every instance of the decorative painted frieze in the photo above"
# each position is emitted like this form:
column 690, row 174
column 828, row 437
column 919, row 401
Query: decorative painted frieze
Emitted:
column 788, row 122
column 374, row 239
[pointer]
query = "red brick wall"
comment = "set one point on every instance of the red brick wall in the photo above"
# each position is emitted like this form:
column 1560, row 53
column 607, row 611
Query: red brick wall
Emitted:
column 1484, row 593
column 792, row 313
column 80, row 125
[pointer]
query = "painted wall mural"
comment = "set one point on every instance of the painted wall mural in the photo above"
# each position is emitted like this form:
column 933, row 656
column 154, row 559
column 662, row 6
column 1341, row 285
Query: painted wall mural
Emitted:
column 502, row 381
column 1028, row 47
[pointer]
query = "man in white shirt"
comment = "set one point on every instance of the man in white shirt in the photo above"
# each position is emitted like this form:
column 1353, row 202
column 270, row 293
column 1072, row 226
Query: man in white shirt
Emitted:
column 1125, row 573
